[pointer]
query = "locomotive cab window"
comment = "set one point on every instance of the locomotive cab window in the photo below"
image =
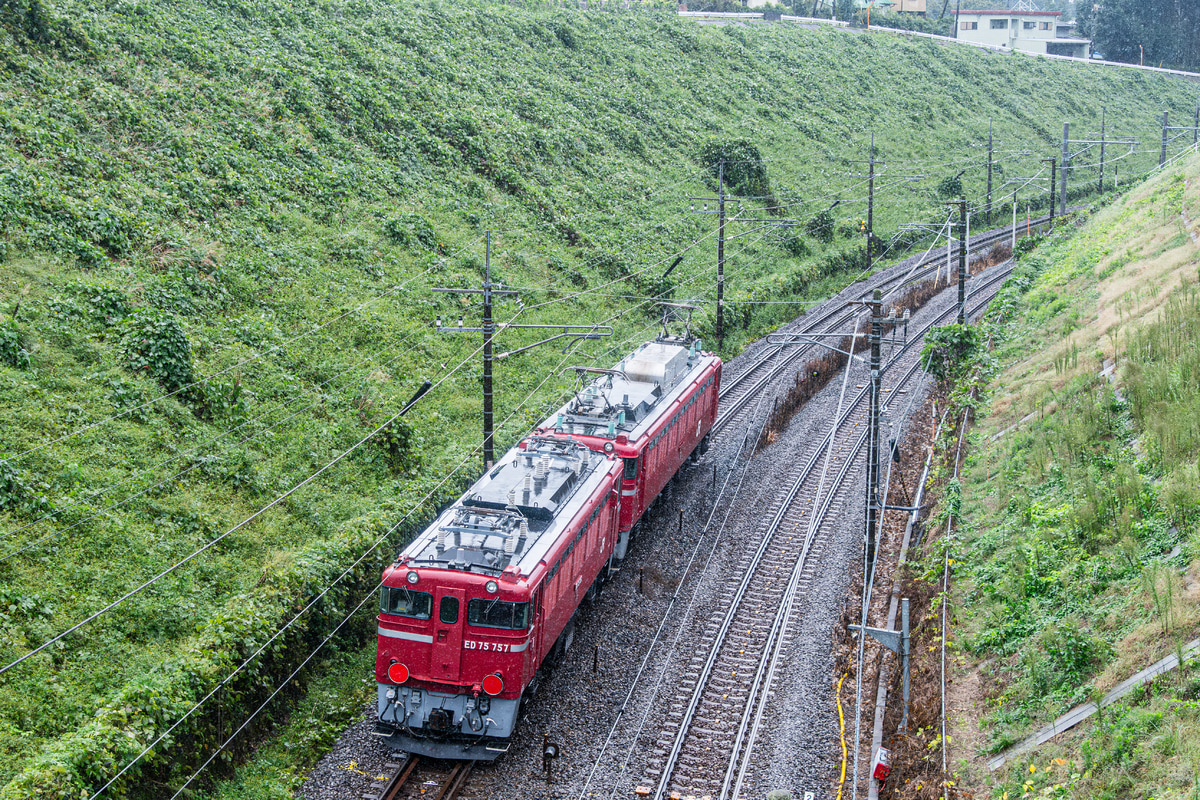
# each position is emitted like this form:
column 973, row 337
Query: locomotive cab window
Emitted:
column 498, row 614
column 404, row 602
column 631, row 468
column 448, row 610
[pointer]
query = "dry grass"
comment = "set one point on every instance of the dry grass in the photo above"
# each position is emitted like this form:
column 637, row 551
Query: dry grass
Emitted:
column 1131, row 293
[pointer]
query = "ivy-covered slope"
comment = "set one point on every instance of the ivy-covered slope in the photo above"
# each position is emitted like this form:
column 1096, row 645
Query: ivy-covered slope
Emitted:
column 245, row 204
column 1080, row 551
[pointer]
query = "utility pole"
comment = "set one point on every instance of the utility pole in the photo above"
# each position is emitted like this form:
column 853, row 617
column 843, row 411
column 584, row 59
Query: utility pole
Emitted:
column 962, row 263
column 1052, row 163
column 1100, row 184
column 489, row 291
column 872, row 163
column 721, row 255
column 1014, row 231
column 1162, row 158
column 989, row 184
column 722, row 219
column 1066, row 158
column 870, row 199
column 873, row 436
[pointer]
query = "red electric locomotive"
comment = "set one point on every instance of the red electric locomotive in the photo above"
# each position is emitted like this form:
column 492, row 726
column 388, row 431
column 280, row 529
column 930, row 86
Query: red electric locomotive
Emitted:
column 653, row 410
column 471, row 609
column 474, row 606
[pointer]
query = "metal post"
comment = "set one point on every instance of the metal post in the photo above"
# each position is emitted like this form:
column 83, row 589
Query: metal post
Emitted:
column 489, row 331
column 1162, row 157
column 989, row 185
column 1100, row 184
column 870, row 199
column 721, row 255
column 1066, row 157
column 1052, row 173
column 489, row 292
column 873, row 439
column 1014, row 234
column 949, row 248
column 904, row 649
column 962, row 264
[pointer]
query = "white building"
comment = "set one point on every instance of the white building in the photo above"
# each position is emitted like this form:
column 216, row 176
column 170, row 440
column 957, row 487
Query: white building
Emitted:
column 1028, row 31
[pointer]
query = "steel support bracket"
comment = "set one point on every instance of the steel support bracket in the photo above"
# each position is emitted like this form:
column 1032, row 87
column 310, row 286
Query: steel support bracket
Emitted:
column 889, row 639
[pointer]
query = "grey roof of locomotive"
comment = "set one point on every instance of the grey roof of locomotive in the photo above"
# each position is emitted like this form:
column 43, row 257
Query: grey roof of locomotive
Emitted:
column 622, row 399
column 514, row 513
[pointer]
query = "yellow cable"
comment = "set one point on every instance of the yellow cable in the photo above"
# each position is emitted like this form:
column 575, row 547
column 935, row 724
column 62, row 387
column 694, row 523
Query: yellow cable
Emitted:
column 842, row 720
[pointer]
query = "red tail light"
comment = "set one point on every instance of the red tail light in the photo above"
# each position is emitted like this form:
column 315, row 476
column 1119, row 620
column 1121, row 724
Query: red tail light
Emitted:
column 493, row 684
column 397, row 672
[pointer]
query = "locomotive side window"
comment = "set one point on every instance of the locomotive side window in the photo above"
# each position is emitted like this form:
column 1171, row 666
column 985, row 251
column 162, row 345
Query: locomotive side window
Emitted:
column 498, row 614
column 404, row 602
column 448, row 610
column 631, row 468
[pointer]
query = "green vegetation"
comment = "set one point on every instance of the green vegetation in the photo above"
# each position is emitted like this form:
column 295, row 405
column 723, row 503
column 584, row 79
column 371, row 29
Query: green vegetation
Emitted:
column 1080, row 542
column 1151, row 32
column 220, row 222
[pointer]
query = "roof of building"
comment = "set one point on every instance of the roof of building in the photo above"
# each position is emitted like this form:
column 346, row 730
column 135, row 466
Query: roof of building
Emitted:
column 1000, row 12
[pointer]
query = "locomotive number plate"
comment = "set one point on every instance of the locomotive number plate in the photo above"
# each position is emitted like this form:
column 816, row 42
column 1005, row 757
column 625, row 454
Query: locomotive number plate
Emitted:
column 496, row 647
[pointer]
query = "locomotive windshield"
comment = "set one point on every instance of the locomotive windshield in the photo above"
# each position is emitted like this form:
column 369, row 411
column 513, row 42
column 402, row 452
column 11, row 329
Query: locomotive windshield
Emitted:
column 498, row 614
column 404, row 602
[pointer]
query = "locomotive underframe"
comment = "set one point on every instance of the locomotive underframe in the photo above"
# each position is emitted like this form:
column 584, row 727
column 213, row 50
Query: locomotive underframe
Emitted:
column 445, row 725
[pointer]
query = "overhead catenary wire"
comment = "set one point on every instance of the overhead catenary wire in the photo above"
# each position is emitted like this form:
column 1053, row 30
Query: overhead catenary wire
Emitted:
column 196, row 448
column 469, row 458
column 231, row 530
column 212, row 542
column 257, row 357
column 109, row 508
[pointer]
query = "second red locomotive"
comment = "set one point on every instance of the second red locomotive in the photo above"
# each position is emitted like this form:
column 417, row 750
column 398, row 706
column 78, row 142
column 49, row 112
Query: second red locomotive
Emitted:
column 474, row 607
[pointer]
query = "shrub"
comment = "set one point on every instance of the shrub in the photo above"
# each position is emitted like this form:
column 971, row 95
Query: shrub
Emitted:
column 1026, row 244
column 12, row 350
column 821, row 226
column 950, row 187
column 403, row 445
column 155, row 344
column 745, row 170
column 412, row 230
column 950, row 348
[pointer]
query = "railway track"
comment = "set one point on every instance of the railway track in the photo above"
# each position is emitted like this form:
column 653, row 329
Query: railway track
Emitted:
column 738, row 391
column 718, row 708
column 428, row 779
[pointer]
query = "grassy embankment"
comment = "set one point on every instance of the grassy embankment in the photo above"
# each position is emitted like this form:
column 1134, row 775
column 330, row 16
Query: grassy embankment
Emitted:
column 1079, row 550
column 190, row 189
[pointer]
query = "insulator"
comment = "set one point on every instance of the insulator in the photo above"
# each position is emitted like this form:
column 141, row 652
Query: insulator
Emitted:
column 545, row 463
column 512, row 497
column 441, row 539
column 528, row 482
column 525, row 528
column 510, row 541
